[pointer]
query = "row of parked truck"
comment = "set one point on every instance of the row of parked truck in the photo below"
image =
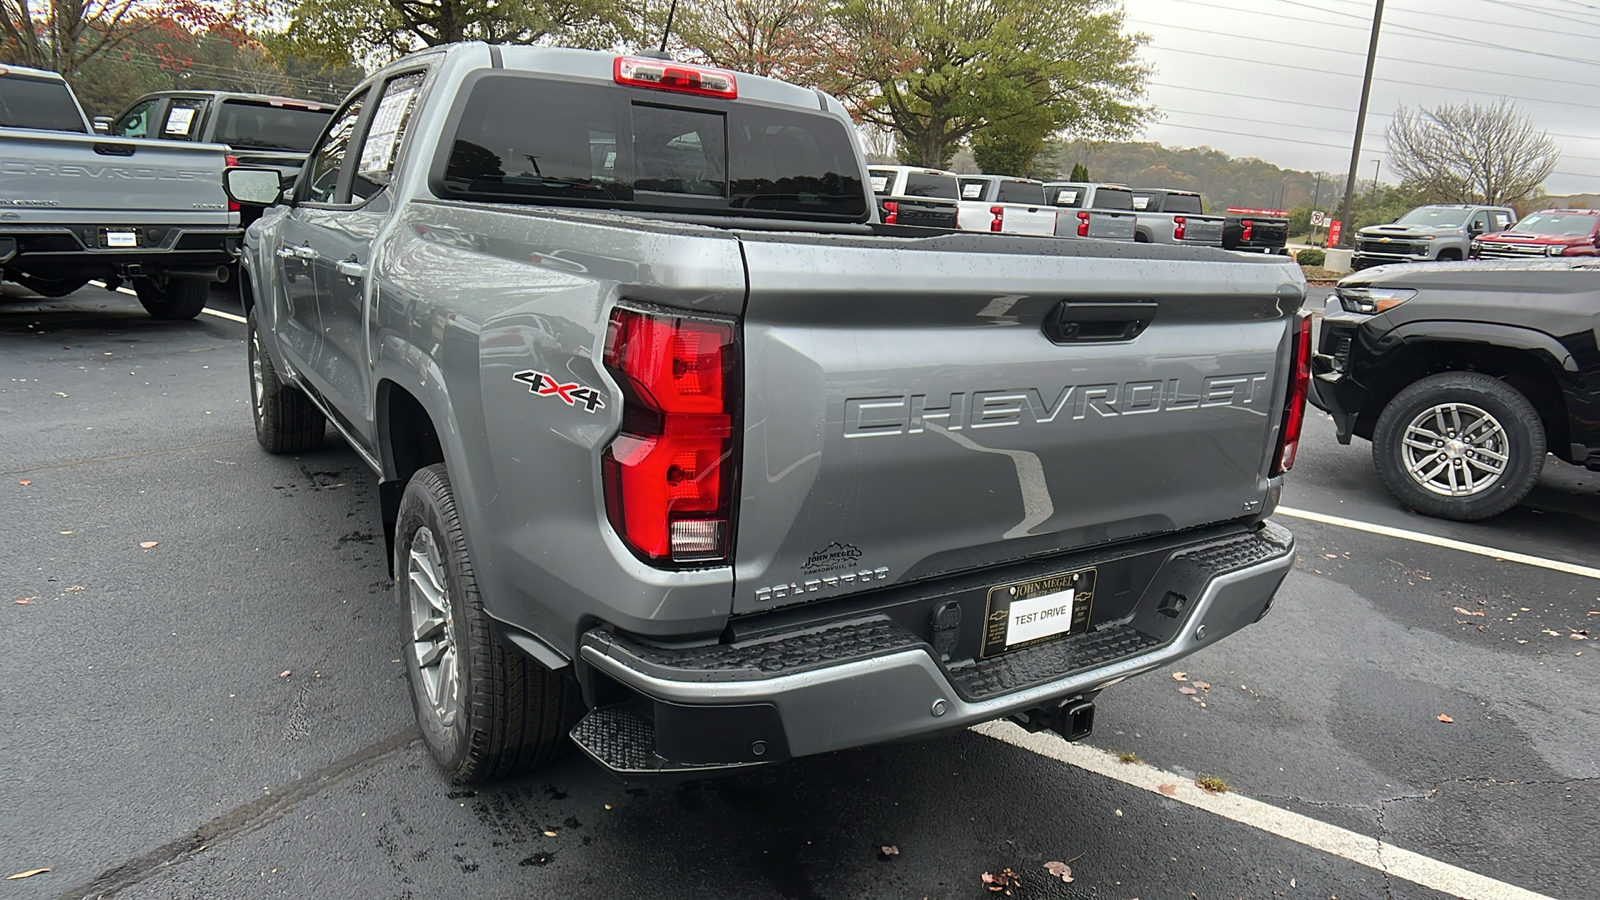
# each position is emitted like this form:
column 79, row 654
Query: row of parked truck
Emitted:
column 912, row 195
column 137, row 198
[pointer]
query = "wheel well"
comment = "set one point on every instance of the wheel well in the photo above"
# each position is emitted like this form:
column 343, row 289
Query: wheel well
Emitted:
column 247, row 294
column 1518, row 368
column 409, row 441
column 1450, row 253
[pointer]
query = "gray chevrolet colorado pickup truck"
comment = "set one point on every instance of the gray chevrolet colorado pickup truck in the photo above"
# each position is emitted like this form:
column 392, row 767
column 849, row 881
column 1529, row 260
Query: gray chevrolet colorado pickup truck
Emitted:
column 76, row 206
column 682, row 454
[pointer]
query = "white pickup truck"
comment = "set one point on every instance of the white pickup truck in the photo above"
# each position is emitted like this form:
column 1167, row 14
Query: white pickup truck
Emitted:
column 1006, row 205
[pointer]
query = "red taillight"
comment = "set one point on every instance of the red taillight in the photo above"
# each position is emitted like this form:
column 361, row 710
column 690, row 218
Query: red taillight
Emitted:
column 229, row 161
column 674, row 76
column 1294, row 410
column 1083, row 224
column 1177, row 231
column 999, row 221
column 891, row 212
column 669, row 475
column 1246, row 227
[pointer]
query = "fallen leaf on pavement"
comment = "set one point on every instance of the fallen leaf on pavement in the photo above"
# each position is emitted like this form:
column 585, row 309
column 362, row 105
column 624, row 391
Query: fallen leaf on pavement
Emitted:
column 1446, row 719
column 1180, row 676
column 1579, row 635
column 146, row 545
column 889, row 850
column 549, row 834
column 1171, row 790
column 24, row 601
column 284, row 673
column 1202, row 685
column 1187, row 690
column 25, row 482
column 1468, row 612
column 1060, row 870
column 28, row 874
column 1004, row 881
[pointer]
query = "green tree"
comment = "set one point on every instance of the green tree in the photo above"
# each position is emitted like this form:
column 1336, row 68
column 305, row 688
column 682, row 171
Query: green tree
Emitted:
column 1080, row 173
column 343, row 32
column 939, row 72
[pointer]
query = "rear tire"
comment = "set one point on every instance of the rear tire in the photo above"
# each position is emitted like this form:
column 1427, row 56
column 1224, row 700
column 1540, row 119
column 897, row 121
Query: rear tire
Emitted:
column 172, row 296
column 1448, row 428
column 286, row 420
column 486, row 710
column 50, row 288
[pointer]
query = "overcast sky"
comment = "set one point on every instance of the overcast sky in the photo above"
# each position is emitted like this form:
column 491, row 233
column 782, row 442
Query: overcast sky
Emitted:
column 1253, row 77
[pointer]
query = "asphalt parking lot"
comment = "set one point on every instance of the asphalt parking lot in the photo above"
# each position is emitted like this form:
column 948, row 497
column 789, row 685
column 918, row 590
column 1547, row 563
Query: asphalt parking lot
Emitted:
column 204, row 697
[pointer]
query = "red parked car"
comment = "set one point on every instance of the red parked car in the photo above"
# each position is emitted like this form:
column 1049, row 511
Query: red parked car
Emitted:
column 1548, row 232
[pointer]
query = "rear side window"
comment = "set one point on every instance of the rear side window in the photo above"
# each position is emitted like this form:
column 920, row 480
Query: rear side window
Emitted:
column 43, row 104
column 527, row 139
column 922, row 184
column 1500, row 220
column 1117, row 198
column 1069, row 196
column 183, row 119
column 1021, row 192
column 882, row 180
column 382, row 143
column 263, row 126
column 973, row 188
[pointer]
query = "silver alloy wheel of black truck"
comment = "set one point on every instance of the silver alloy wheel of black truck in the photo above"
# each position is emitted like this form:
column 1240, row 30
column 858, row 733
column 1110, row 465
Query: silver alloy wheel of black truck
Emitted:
column 286, row 419
column 1459, row 445
column 486, row 710
column 172, row 296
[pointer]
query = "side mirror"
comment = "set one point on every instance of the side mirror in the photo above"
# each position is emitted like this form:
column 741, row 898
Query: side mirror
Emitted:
column 252, row 187
column 1474, row 229
column 102, row 124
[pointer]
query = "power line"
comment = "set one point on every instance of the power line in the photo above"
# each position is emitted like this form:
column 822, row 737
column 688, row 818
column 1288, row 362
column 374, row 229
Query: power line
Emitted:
column 1423, row 34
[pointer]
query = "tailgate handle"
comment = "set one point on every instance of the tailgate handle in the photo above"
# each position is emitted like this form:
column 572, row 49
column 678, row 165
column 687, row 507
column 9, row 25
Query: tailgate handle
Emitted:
column 115, row 149
column 1098, row 321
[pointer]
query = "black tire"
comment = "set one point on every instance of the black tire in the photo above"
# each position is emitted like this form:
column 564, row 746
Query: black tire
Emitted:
column 286, row 420
column 503, row 712
column 172, row 296
column 1520, row 440
column 49, row 287
column 1449, row 256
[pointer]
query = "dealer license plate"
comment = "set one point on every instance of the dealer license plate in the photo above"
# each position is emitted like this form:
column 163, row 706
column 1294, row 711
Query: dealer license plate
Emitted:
column 117, row 239
column 1034, row 612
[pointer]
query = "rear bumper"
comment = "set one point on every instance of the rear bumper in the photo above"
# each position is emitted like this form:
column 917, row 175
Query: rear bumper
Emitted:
column 869, row 679
column 81, row 249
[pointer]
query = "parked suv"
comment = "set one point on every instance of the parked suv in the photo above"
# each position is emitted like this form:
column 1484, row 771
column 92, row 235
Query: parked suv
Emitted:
column 1461, row 384
column 913, row 195
column 1442, row 233
column 1548, row 232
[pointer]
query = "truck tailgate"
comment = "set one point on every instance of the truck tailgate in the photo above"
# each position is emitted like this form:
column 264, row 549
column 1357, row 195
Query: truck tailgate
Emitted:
column 1111, row 226
column 906, row 414
column 90, row 179
column 1203, row 230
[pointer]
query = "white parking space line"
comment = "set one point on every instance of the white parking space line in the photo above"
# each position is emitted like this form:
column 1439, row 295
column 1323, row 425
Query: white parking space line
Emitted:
column 1357, row 848
column 208, row 311
column 1555, row 565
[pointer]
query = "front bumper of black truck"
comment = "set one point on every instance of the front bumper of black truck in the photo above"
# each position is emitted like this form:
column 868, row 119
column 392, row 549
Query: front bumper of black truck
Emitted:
column 888, row 668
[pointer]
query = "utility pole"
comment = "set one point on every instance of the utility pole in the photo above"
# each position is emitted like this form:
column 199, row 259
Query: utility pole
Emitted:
column 1347, row 234
column 1316, row 194
column 1377, row 166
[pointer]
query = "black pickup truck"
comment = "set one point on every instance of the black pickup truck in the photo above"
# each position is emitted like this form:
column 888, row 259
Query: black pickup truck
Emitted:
column 1260, row 230
column 1463, row 375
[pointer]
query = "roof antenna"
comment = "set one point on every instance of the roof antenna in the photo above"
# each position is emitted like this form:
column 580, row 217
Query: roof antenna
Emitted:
column 665, row 33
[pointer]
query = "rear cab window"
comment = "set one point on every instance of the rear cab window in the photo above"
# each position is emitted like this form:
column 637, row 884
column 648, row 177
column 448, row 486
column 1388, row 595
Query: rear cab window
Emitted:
column 1120, row 199
column 41, row 104
column 1021, row 192
column 932, row 184
column 1183, row 204
column 523, row 138
column 268, row 125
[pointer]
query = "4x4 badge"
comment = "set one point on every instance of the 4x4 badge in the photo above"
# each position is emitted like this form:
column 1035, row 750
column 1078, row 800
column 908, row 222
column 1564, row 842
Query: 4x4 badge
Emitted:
column 572, row 394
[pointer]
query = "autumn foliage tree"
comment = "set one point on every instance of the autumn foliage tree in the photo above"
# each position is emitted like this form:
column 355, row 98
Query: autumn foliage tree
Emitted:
column 65, row 35
column 356, row 31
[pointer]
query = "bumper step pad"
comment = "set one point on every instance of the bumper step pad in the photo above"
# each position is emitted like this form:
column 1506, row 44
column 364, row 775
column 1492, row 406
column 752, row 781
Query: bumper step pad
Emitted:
column 622, row 739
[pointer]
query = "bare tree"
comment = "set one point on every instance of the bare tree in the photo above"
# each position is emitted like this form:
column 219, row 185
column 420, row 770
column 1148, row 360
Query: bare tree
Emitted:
column 62, row 35
column 1471, row 152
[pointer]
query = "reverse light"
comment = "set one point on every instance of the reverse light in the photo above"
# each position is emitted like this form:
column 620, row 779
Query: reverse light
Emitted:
column 1178, row 230
column 1083, row 224
column 228, row 162
column 669, row 475
column 1294, row 410
column 673, row 76
column 1372, row 300
column 999, row 220
column 891, row 212
column 1247, row 227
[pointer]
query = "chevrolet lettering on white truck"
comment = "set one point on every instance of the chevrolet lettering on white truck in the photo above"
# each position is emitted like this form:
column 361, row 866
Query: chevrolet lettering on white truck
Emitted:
column 626, row 343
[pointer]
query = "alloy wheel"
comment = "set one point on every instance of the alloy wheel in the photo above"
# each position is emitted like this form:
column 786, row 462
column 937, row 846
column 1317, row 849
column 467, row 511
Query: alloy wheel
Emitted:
column 433, row 641
column 1455, row 450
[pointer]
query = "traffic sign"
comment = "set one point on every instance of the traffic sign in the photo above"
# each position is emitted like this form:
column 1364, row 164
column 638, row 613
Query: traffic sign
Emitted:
column 1318, row 217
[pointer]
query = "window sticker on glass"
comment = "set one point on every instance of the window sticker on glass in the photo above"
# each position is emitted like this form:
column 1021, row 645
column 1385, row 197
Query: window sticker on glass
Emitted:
column 972, row 190
column 179, row 120
column 1067, row 198
column 880, row 183
column 1141, row 202
column 377, row 154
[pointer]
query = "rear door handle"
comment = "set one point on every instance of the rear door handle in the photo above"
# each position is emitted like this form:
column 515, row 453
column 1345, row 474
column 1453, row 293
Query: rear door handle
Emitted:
column 351, row 269
column 304, row 252
column 285, row 252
